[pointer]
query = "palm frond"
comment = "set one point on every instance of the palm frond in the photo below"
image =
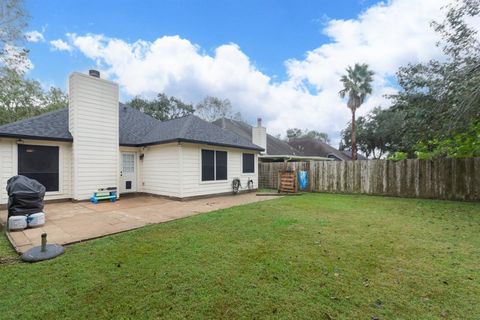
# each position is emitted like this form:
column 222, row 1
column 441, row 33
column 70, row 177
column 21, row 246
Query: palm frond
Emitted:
column 357, row 83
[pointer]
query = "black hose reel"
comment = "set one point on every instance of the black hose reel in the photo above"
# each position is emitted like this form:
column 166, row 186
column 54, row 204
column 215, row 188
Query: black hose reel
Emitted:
column 237, row 185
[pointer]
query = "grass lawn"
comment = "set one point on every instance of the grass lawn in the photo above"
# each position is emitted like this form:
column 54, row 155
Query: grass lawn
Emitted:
column 315, row 256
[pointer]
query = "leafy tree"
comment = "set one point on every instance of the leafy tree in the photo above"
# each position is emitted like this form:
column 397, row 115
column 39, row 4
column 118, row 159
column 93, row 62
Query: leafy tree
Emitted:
column 22, row 98
column 162, row 107
column 357, row 84
column 295, row 133
column 321, row 136
column 376, row 133
column 13, row 20
column 213, row 108
column 461, row 145
column 441, row 98
column 238, row 117
column 397, row 156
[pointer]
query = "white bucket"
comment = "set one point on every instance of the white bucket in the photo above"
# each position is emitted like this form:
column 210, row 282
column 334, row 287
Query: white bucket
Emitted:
column 17, row 223
column 36, row 220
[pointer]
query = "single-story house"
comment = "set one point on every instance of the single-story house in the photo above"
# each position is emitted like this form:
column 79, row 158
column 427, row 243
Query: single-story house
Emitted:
column 309, row 146
column 272, row 145
column 303, row 149
column 98, row 142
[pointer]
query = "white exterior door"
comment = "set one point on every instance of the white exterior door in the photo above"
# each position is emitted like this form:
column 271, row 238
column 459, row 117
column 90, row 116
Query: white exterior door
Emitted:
column 128, row 173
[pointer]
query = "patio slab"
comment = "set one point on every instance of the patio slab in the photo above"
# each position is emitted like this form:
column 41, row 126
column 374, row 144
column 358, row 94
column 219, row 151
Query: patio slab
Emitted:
column 68, row 222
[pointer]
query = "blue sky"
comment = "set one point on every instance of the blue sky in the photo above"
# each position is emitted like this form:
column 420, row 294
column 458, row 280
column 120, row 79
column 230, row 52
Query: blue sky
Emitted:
column 280, row 60
column 269, row 32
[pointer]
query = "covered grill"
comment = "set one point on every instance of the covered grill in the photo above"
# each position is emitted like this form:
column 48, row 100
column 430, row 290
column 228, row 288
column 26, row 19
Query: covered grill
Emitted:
column 25, row 196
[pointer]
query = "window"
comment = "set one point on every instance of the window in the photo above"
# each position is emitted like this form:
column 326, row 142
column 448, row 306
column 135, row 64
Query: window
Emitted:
column 220, row 165
column 128, row 162
column 248, row 162
column 214, row 165
column 208, row 165
column 39, row 163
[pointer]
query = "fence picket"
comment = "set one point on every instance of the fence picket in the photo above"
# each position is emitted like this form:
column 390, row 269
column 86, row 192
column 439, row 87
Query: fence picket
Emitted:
column 452, row 179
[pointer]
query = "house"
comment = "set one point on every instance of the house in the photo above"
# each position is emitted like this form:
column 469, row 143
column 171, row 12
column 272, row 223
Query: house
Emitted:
column 271, row 145
column 313, row 147
column 301, row 149
column 98, row 142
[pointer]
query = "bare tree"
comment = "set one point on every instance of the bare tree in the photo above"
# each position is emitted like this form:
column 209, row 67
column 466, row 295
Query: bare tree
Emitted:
column 213, row 108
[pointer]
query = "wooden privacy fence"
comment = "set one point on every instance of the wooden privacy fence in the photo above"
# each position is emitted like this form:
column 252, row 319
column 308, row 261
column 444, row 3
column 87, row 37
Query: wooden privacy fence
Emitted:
column 450, row 179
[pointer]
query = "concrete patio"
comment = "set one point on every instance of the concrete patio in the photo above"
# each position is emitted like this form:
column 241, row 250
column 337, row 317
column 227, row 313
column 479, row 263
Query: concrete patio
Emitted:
column 68, row 222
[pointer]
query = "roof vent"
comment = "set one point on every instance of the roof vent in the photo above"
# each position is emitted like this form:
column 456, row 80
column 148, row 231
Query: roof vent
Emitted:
column 94, row 73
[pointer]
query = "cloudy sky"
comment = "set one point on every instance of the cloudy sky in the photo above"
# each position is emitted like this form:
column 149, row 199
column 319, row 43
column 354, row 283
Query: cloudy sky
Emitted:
column 280, row 60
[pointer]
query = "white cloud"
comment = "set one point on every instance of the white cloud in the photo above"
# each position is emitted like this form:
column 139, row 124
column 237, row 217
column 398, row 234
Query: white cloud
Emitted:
column 60, row 45
column 34, row 36
column 385, row 36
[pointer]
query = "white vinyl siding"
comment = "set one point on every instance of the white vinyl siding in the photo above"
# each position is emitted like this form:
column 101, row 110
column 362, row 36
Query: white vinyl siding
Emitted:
column 8, row 167
column 93, row 112
column 7, row 148
column 192, row 184
column 161, row 170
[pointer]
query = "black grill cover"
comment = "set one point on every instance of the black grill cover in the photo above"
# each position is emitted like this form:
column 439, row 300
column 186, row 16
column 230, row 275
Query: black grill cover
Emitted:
column 25, row 196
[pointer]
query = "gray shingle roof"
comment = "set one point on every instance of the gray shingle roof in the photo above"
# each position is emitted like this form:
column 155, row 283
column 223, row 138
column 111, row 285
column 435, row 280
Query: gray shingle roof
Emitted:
column 313, row 147
column 305, row 146
column 135, row 129
column 274, row 146
column 49, row 126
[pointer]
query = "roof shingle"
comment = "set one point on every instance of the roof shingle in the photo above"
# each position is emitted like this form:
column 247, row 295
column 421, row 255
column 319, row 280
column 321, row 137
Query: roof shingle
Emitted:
column 274, row 146
column 135, row 129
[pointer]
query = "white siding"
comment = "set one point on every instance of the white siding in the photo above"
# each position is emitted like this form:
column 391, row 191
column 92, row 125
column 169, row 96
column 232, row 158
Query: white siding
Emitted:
column 160, row 170
column 8, row 167
column 170, row 170
column 93, row 112
column 192, row 184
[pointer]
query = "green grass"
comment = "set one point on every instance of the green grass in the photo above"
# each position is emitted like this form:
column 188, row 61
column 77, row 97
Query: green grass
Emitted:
column 7, row 254
column 313, row 257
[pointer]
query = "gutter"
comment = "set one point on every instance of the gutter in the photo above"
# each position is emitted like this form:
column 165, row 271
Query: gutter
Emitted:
column 287, row 158
column 17, row 136
column 192, row 141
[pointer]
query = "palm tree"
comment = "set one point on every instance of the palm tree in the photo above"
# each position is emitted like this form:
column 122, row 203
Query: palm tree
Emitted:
column 357, row 84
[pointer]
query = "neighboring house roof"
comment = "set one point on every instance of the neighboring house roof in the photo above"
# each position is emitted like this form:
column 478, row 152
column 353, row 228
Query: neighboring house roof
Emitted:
column 274, row 146
column 135, row 129
column 359, row 156
column 314, row 147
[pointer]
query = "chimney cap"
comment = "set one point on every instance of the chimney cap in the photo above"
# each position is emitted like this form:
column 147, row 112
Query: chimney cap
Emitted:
column 259, row 122
column 94, row 73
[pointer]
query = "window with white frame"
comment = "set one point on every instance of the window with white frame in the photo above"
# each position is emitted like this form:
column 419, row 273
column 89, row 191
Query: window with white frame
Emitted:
column 214, row 165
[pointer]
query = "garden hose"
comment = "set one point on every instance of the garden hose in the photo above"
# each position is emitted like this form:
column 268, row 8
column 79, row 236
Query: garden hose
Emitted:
column 237, row 185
